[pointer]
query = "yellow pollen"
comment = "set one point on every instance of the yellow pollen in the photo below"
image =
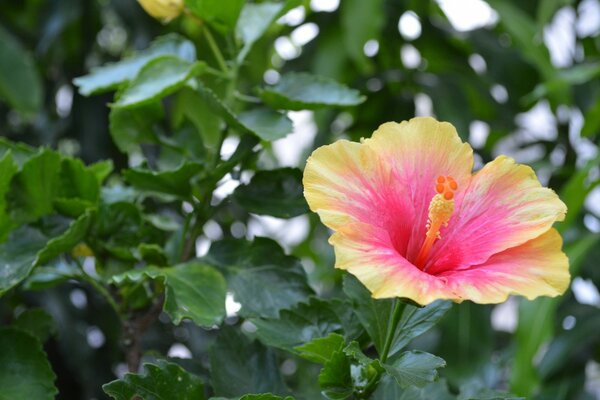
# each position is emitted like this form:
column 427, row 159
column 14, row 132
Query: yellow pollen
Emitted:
column 441, row 209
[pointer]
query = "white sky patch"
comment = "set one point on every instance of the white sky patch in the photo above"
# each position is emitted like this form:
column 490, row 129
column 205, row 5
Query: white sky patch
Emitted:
column 477, row 62
column 286, row 49
column 324, row 5
column 505, row 316
column 409, row 25
column 588, row 20
column 499, row 93
column 410, row 56
column 288, row 232
column 592, row 201
column 467, row 15
column 178, row 350
column 293, row 17
column 304, row 33
column 478, row 134
column 64, row 100
column 232, row 307
column 229, row 145
column 585, row 292
column 95, row 338
column 423, row 105
column 371, row 48
column 290, row 150
column 559, row 37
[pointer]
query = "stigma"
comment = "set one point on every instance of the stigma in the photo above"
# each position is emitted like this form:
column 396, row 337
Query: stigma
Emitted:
column 441, row 209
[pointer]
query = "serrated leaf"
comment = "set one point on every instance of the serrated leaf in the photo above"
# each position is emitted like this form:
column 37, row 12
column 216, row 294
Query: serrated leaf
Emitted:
column 254, row 21
column 298, row 326
column 37, row 322
column 25, row 372
column 261, row 263
column 249, row 365
column 157, row 79
column 302, row 91
column 8, row 168
column 414, row 368
column 175, row 182
column 193, row 291
column 267, row 124
column 277, row 192
column 28, row 247
column 191, row 105
column 162, row 381
column 110, row 76
column 320, row 350
column 130, row 128
column 335, row 378
column 20, row 82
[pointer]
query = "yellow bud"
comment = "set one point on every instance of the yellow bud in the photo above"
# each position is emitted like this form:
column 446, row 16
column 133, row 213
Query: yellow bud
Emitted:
column 82, row 250
column 164, row 10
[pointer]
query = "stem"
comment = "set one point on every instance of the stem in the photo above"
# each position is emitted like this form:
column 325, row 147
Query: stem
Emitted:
column 399, row 306
column 133, row 330
column 214, row 48
column 99, row 288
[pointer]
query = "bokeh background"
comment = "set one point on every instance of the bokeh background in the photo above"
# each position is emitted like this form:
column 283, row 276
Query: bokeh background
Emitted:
column 515, row 77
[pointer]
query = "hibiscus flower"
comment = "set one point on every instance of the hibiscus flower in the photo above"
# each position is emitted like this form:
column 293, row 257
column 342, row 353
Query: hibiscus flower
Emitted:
column 410, row 219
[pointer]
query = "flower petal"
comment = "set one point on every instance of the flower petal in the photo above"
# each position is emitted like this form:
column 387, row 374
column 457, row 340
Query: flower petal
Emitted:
column 536, row 268
column 504, row 206
column 418, row 151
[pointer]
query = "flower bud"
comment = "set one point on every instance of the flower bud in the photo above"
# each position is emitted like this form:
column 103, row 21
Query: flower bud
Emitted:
column 164, row 10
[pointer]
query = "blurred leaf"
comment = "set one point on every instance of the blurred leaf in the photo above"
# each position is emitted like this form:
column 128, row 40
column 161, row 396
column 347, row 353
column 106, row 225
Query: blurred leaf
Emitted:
column 8, row 169
column 375, row 316
column 265, row 396
column 27, row 248
column 267, row 124
column 129, row 128
column 51, row 275
column 26, row 373
column 20, row 82
column 36, row 322
column 297, row 326
column 388, row 388
column 478, row 391
column 320, row 350
column 302, row 91
column 522, row 29
column 575, row 191
column 254, row 21
column 414, row 368
column 278, row 193
column 468, row 340
column 162, row 381
column 546, row 10
column 335, row 378
column 261, row 263
column 157, row 79
column 536, row 326
column 357, row 30
column 191, row 105
column 20, row 151
column 578, row 250
column 222, row 15
column 239, row 366
column 591, row 121
column 175, row 182
column 110, row 76
column 35, row 186
column 193, row 291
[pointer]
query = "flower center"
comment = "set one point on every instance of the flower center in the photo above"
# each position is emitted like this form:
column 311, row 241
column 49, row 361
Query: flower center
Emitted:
column 441, row 208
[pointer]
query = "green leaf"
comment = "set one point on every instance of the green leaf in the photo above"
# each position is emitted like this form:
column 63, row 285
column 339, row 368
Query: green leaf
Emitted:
column 278, row 193
column 591, row 124
column 51, row 275
column 157, row 79
column 36, row 322
column 414, row 368
column 28, row 247
column 335, row 378
column 8, row 169
column 239, row 366
column 162, row 381
column 110, row 76
column 130, row 128
column 302, row 91
column 375, row 316
column 222, row 15
column 254, row 21
column 20, row 82
column 25, row 372
column 191, row 105
column 193, row 291
column 265, row 396
column 298, row 326
column 35, row 186
column 266, row 124
column 175, row 182
column 19, row 151
column 320, row 350
column 388, row 388
column 575, row 191
column 261, row 263
column 357, row 30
